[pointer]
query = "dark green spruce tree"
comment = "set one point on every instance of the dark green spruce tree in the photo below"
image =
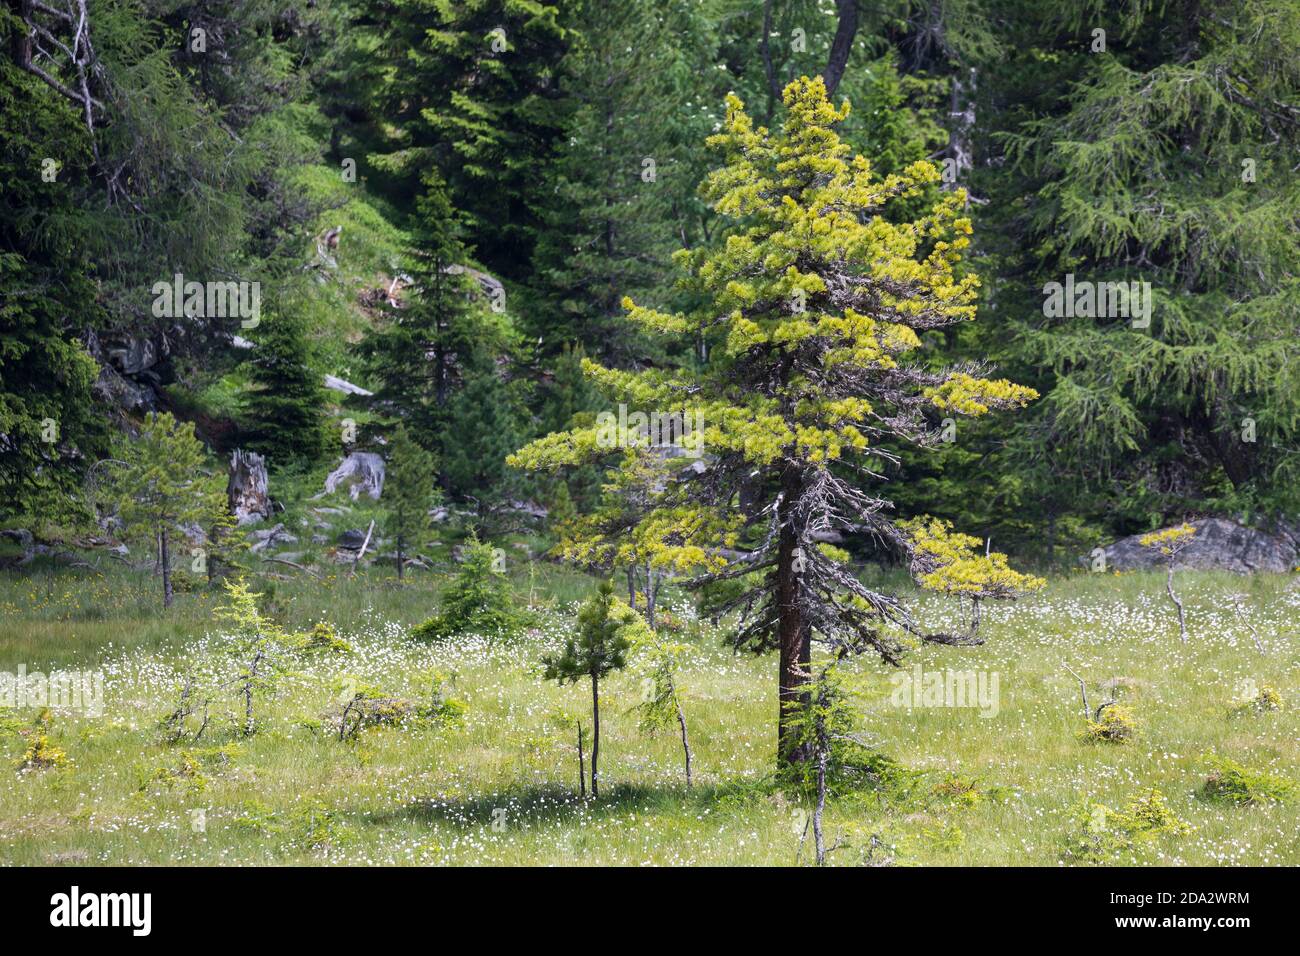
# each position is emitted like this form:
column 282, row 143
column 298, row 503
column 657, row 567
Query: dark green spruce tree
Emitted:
column 1162, row 151
column 464, row 90
column 283, row 414
column 622, row 190
column 408, row 493
column 49, row 426
column 423, row 351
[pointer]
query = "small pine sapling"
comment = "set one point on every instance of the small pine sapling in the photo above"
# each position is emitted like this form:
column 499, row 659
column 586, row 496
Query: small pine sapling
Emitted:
column 599, row 647
column 947, row 562
column 824, row 725
column 409, row 492
column 255, row 643
column 479, row 599
column 661, row 705
column 1171, row 542
column 161, row 488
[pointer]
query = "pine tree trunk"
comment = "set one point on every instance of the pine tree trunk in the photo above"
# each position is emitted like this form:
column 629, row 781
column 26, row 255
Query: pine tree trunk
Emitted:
column 595, row 734
column 819, row 839
column 249, row 724
column 649, row 596
column 582, row 767
column 1051, row 538
column 1182, row 620
column 681, row 722
column 214, row 538
column 165, row 559
column 792, row 627
column 21, row 40
column 842, row 44
column 399, row 557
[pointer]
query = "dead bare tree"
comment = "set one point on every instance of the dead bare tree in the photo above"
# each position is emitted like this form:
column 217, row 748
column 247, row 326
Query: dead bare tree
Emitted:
column 361, row 553
column 190, row 704
column 57, row 43
column 1083, row 691
column 1239, row 603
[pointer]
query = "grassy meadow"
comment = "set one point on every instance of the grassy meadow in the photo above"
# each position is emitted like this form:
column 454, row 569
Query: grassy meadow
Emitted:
column 1012, row 785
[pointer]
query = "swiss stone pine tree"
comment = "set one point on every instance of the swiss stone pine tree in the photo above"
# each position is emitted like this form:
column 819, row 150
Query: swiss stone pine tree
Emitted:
column 817, row 301
column 948, row 562
column 161, row 488
column 408, row 493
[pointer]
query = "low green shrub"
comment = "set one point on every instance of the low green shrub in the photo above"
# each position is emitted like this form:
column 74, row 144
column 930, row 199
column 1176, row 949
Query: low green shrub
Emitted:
column 322, row 637
column 1263, row 701
column 478, row 600
column 1115, row 725
column 1230, row 782
column 1102, row 833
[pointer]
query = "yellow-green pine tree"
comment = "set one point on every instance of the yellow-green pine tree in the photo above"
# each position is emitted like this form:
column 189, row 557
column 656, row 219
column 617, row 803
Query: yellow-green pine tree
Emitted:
column 815, row 300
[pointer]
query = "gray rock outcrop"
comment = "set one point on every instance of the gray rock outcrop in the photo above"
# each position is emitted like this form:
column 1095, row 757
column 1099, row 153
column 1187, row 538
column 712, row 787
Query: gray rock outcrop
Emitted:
column 1219, row 545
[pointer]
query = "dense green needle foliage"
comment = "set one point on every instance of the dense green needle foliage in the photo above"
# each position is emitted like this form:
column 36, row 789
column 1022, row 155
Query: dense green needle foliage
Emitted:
column 409, row 491
column 163, row 492
column 478, row 599
column 678, row 297
column 444, row 203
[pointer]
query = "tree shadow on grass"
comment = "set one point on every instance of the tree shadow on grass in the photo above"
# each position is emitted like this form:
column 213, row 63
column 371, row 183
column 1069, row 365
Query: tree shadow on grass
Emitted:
column 541, row 805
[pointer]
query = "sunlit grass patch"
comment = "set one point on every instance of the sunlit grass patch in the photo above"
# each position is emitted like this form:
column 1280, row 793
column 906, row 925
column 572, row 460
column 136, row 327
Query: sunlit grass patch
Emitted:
column 499, row 784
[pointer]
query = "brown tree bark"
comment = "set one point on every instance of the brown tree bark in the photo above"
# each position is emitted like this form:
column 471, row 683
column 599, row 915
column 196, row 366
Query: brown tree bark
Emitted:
column 165, row 559
column 686, row 744
column 1169, row 587
column 650, row 587
column 21, row 41
column 582, row 768
column 595, row 735
column 842, row 45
